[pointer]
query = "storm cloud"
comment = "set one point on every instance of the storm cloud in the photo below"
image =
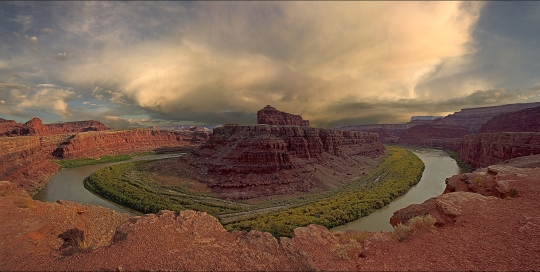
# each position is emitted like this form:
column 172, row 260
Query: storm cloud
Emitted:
column 143, row 63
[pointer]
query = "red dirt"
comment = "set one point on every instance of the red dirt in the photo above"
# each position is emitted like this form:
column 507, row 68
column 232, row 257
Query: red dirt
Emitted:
column 489, row 233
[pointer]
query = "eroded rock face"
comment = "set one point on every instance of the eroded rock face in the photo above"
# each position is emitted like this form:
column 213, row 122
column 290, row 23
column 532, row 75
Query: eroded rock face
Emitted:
column 446, row 136
column 474, row 118
column 527, row 120
column 25, row 159
column 6, row 126
column 35, row 127
column 486, row 149
column 270, row 116
column 261, row 160
column 108, row 143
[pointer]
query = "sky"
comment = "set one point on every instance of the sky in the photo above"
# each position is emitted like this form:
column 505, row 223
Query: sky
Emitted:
column 139, row 64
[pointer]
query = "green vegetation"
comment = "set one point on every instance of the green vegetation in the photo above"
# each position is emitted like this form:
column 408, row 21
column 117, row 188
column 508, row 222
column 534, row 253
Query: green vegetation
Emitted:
column 463, row 166
column 130, row 185
column 105, row 159
column 393, row 177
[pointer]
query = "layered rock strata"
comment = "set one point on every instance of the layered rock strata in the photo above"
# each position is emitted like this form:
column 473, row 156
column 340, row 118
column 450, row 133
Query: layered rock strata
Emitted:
column 474, row 118
column 527, row 120
column 108, row 143
column 25, row 159
column 445, row 136
column 241, row 162
column 481, row 233
column 270, row 116
column 485, row 149
column 35, row 127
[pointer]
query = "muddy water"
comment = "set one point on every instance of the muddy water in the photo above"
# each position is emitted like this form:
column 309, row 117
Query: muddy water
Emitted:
column 68, row 184
column 439, row 166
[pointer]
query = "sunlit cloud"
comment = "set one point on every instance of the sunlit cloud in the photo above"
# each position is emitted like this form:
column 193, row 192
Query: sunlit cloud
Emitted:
column 220, row 62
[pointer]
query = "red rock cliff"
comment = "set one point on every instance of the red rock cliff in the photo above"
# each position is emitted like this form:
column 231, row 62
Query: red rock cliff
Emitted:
column 270, row 116
column 474, row 118
column 446, row 136
column 97, row 144
column 527, row 120
column 23, row 160
column 485, row 149
column 261, row 160
column 35, row 127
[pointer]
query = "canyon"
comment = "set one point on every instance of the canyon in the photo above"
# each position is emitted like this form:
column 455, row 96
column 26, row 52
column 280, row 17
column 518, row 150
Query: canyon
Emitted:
column 25, row 160
column 474, row 231
column 250, row 161
column 35, row 127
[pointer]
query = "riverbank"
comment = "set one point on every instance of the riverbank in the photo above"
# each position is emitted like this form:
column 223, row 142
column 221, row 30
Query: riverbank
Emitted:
column 130, row 185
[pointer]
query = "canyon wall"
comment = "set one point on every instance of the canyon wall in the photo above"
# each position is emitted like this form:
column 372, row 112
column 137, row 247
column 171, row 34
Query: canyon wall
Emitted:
column 445, row 136
column 35, row 127
column 270, row 116
column 25, row 159
column 388, row 133
column 474, row 118
column 527, row 120
column 261, row 160
column 109, row 143
column 485, row 149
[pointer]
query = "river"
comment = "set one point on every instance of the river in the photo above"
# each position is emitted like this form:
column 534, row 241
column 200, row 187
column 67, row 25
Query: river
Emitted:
column 438, row 167
column 68, row 184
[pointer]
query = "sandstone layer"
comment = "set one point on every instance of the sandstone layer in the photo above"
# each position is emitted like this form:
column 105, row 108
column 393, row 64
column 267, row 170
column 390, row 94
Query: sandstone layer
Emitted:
column 240, row 162
column 485, row 149
column 35, row 127
column 25, row 159
column 445, row 136
column 270, row 116
column 474, row 118
column 108, row 143
column 527, row 120
column 480, row 233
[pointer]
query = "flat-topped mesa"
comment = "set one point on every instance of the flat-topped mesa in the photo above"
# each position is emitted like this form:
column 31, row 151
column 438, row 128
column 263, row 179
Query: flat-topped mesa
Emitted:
column 240, row 162
column 35, row 127
column 270, row 116
column 527, row 120
column 474, row 118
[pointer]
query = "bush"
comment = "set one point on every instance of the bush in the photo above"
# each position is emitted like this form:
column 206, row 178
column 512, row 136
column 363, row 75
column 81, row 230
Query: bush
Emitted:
column 416, row 224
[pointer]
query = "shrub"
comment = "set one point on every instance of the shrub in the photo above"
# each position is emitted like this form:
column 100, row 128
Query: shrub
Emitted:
column 416, row 224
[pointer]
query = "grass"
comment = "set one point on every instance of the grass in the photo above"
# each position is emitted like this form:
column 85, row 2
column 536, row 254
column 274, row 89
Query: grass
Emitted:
column 463, row 166
column 415, row 225
column 130, row 185
column 67, row 164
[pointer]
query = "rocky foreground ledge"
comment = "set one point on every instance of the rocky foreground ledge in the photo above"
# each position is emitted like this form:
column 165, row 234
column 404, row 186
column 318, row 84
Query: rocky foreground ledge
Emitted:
column 476, row 230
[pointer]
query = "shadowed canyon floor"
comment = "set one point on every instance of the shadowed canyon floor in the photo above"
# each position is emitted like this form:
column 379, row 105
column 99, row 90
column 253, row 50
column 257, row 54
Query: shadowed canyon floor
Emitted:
column 479, row 233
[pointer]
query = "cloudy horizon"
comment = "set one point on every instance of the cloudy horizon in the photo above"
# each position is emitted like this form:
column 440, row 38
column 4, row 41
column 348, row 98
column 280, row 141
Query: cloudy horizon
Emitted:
column 137, row 64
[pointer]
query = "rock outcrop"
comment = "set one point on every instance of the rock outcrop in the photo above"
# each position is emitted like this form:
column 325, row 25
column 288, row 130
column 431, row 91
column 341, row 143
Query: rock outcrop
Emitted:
column 109, row 143
column 270, row 116
column 240, row 162
column 445, row 136
column 485, row 149
column 35, row 127
column 527, row 120
column 6, row 126
column 480, row 233
column 474, row 118
column 388, row 133
column 25, row 159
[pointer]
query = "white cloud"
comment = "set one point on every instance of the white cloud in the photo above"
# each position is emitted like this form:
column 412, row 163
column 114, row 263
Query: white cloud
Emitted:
column 86, row 103
column 32, row 40
column 47, row 30
column 62, row 56
column 46, row 97
column 2, row 102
